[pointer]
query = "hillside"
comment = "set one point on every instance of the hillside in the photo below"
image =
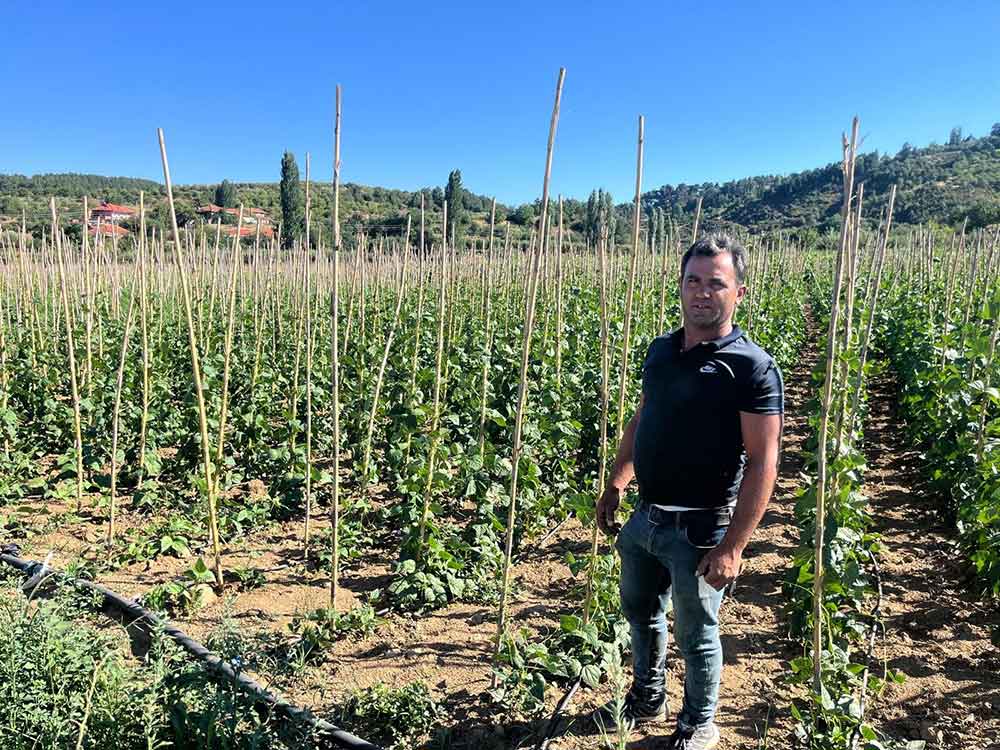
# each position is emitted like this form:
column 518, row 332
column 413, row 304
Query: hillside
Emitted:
column 944, row 184
column 938, row 183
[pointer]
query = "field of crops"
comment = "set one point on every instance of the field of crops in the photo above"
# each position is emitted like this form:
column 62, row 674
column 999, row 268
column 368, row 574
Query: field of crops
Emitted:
column 367, row 473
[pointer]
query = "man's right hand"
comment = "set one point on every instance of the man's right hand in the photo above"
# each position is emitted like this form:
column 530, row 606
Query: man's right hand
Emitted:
column 607, row 505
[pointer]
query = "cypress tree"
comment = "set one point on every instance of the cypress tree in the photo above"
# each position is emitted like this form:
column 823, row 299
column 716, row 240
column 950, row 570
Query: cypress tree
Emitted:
column 454, row 197
column 225, row 195
column 292, row 218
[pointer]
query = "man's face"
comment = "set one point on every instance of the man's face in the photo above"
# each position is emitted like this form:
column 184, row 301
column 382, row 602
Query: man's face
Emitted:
column 709, row 291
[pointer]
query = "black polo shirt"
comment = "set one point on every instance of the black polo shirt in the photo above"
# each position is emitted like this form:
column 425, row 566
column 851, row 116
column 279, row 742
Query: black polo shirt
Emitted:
column 688, row 443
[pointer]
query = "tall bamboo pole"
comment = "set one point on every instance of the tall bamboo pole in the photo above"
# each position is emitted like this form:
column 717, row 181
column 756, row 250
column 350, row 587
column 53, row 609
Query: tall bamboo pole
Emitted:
column 309, row 364
column 213, row 523
column 523, row 386
column 559, row 298
column 697, row 221
column 401, row 291
column 227, row 351
column 335, row 365
column 115, row 417
column 436, row 408
column 850, row 152
column 871, row 305
column 605, row 392
column 627, row 330
column 71, row 356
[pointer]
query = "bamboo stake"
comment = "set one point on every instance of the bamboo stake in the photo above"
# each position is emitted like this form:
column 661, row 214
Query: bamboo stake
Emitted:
column 559, row 298
column 335, row 366
column 626, row 333
column 845, row 370
column 871, row 305
column 74, row 383
column 436, row 412
column 144, row 326
column 605, row 392
column 227, row 354
column 487, row 335
column 213, row 524
column 850, row 152
column 401, row 290
column 309, row 365
column 697, row 221
column 523, row 385
column 115, row 420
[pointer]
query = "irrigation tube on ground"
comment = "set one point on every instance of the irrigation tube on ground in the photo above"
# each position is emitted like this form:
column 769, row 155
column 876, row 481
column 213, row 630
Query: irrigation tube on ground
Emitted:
column 147, row 621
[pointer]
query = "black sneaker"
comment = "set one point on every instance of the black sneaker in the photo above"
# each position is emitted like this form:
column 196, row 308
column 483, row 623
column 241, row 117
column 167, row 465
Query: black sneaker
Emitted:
column 630, row 710
column 704, row 737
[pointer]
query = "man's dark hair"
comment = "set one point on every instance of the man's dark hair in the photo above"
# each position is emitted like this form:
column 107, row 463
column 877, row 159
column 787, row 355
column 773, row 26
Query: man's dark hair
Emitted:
column 713, row 244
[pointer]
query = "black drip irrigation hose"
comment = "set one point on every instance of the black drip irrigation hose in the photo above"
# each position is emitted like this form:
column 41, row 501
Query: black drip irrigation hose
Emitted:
column 135, row 615
column 550, row 728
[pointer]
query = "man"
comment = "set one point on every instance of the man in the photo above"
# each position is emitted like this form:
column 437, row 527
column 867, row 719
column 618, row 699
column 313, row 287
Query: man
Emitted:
column 703, row 446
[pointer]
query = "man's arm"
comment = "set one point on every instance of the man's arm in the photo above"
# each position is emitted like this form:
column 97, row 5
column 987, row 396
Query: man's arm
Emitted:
column 762, row 440
column 622, row 473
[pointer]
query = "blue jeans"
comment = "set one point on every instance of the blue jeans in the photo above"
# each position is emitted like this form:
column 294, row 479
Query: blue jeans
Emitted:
column 660, row 552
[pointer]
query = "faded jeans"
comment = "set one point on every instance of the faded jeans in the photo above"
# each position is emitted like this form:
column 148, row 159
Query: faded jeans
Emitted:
column 660, row 552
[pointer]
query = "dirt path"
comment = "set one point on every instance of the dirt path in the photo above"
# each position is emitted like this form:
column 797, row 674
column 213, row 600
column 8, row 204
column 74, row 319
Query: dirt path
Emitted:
column 937, row 633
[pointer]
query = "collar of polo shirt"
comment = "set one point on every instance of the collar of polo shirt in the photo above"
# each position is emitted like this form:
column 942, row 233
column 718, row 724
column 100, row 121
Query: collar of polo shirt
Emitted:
column 712, row 345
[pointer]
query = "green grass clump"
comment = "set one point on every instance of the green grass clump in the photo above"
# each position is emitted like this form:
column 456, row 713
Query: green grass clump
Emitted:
column 65, row 683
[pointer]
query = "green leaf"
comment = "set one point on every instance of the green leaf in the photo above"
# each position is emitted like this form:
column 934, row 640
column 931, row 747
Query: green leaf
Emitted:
column 591, row 675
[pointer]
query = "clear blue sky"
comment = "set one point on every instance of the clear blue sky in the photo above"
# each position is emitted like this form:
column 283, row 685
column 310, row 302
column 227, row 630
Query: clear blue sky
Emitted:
column 729, row 89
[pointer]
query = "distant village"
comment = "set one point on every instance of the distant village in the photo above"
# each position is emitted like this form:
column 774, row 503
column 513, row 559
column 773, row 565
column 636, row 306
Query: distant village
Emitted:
column 107, row 219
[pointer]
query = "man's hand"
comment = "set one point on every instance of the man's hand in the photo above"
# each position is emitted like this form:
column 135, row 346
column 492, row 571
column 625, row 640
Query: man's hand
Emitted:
column 721, row 565
column 607, row 504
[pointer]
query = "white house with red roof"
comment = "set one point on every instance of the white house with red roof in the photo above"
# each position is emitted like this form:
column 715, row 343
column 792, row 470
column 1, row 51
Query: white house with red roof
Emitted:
column 111, row 212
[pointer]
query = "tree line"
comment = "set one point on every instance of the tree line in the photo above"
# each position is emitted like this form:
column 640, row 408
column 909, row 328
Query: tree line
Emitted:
column 943, row 183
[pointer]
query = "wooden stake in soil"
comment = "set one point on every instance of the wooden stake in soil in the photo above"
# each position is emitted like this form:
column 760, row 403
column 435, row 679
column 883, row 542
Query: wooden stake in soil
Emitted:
column 119, row 381
column 213, row 520
column 871, row 306
column 626, row 333
column 605, row 393
column 401, row 291
column 309, row 368
column 436, row 409
column 71, row 356
column 850, row 152
column 335, row 366
column 523, row 386
column 144, row 325
column 228, row 352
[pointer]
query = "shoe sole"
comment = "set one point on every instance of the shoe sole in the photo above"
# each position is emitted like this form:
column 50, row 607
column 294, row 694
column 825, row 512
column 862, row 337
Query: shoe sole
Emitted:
column 659, row 719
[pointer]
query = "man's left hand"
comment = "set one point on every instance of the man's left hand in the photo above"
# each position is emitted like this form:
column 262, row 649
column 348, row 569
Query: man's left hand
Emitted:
column 721, row 565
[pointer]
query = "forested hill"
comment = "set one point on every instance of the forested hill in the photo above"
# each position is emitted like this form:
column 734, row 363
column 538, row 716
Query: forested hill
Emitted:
column 944, row 184
column 375, row 208
column 939, row 183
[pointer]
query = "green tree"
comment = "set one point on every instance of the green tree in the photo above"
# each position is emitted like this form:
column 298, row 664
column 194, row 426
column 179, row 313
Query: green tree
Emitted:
column 225, row 195
column 523, row 215
column 10, row 206
column 590, row 219
column 454, row 198
column 292, row 212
